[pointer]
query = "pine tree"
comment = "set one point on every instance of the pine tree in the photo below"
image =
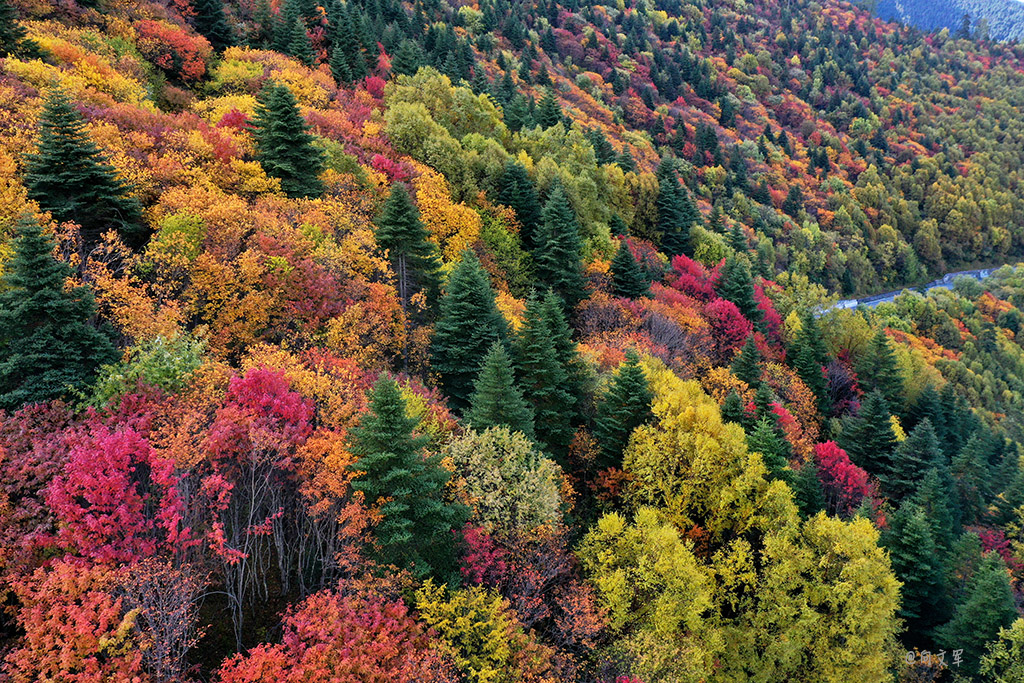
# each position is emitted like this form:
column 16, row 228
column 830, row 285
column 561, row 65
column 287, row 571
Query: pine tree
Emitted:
column 558, row 255
column 566, row 350
column 912, row 459
column 674, row 220
column 210, row 22
column 408, row 58
column 935, row 497
column 737, row 240
column 915, row 560
column 928, row 405
column 624, row 407
column 339, row 66
column 416, row 524
column 733, row 409
column 402, row 235
column 468, row 324
column 737, row 286
column 544, row 380
column 48, row 349
column 284, row 25
column 516, row 191
column 299, row 44
column 628, row 280
column 747, row 364
column 12, row 34
column 877, row 369
column 70, row 178
column 764, row 439
column 986, row 607
column 811, row 337
column 808, row 493
column 548, row 112
column 496, row 399
column 868, row 438
column 346, row 41
column 284, row 146
column 812, row 374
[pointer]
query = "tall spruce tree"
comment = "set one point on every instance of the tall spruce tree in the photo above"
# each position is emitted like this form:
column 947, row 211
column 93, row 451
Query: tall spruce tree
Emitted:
column 412, row 255
column 548, row 112
column 737, row 286
column 733, row 409
column 877, row 369
column 496, row 399
column 624, row 407
column 299, row 44
column 628, row 279
column 544, row 380
column 808, row 493
column 12, row 34
column 774, row 450
column 284, row 146
column 558, row 255
column 48, row 348
column 408, row 58
column 936, row 499
column 674, row 218
column 211, row 22
column 911, row 461
column 406, row 485
column 69, row 176
column 986, row 607
column 747, row 364
column 516, row 191
column 868, row 437
column 467, row 326
column 812, row 374
column 915, row 560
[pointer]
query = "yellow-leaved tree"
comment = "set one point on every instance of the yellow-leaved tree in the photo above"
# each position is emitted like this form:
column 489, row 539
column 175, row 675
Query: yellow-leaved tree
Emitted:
column 716, row 578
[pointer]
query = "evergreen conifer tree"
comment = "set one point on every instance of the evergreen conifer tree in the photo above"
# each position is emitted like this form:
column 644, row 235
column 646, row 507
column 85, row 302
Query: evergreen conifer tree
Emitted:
column 496, row 399
column 808, row 369
column 764, row 439
column 928, row 405
column 339, row 66
column 48, row 348
column 915, row 560
column 737, row 286
column 986, row 607
column 624, row 407
column 548, row 112
column 912, row 459
column 413, row 256
column 408, row 58
column 467, row 326
column 566, row 350
column 284, row 146
column 416, row 523
column 69, row 176
column 627, row 279
column 544, row 380
column 877, row 369
column 811, row 337
column 674, row 221
column 12, row 34
column 868, row 437
column 935, row 497
column 558, row 256
column 747, row 364
column 299, row 44
column 733, row 409
column 516, row 191
column 808, row 493
column 210, row 21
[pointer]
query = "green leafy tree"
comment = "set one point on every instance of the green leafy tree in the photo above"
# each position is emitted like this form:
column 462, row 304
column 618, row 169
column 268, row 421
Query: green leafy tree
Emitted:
column 868, row 438
column 1003, row 661
column 402, row 235
column 48, row 347
column 624, row 407
column 558, row 255
column 406, row 485
column 737, row 286
column 544, row 380
column 284, row 146
column 628, row 279
column 987, row 606
column 69, row 176
column 496, row 399
column 468, row 324
column 747, row 364
column 516, row 191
